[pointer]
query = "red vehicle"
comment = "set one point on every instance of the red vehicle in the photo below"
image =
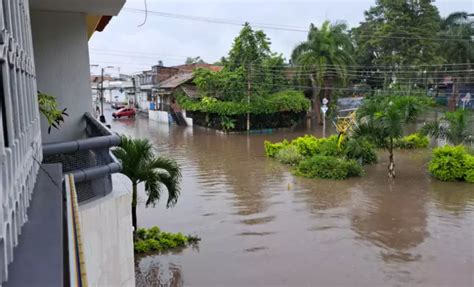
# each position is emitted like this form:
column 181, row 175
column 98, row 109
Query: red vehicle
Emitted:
column 124, row 112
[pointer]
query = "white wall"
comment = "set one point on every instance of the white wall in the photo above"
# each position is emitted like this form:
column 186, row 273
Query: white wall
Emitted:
column 106, row 226
column 158, row 116
column 62, row 68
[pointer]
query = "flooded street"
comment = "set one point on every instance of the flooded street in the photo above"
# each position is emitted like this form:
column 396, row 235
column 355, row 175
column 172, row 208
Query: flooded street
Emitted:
column 260, row 225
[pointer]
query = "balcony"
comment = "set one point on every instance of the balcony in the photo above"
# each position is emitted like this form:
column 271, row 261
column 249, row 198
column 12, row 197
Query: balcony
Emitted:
column 72, row 173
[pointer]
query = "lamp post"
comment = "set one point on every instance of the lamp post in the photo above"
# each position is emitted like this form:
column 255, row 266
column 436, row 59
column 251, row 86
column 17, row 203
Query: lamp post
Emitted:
column 324, row 109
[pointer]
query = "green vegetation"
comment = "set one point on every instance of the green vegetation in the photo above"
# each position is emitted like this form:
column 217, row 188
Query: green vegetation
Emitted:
column 48, row 106
column 453, row 126
column 381, row 121
column 328, row 167
column 284, row 101
column 154, row 239
column 323, row 59
column 140, row 164
column 450, row 163
column 323, row 157
column 413, row 141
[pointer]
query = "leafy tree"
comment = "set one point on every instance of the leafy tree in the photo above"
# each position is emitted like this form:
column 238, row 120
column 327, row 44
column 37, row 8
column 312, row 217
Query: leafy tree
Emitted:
column 249, row 48
column 140, row 164
column 381, row 120
column 194, row 60
column 323, row 58
column 399, row 33
column 48, row 106
column 453, row 126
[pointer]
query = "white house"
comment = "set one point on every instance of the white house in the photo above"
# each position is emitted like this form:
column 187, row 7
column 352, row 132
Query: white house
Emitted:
column 44, row 47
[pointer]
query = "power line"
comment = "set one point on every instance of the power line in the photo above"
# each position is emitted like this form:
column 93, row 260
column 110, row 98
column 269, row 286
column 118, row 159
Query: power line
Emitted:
column 273, row 26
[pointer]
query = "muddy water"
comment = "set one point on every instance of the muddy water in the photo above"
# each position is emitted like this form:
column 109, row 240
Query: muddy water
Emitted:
column 260, row 225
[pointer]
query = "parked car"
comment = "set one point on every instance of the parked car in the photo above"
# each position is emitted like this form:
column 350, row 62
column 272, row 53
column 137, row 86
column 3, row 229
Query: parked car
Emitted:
column 124, row 112
column 117, row 105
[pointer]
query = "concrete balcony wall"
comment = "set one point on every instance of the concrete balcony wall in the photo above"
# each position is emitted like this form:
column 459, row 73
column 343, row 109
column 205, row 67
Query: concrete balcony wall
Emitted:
column 62, row 67
column 106, row 225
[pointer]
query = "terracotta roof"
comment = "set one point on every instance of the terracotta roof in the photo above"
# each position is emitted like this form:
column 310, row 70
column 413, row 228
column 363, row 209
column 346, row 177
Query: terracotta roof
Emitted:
column 176, row 80
column 191, row 67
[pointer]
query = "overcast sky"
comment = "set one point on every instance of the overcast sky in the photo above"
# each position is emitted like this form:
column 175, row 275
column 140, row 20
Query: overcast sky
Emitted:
column 123, row 44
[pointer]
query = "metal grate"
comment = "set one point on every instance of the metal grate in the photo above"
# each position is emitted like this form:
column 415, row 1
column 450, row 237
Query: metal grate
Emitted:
column 90, row 160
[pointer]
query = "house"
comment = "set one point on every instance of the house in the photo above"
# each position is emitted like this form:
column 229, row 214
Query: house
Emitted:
column 161, row 83
column 64, row 222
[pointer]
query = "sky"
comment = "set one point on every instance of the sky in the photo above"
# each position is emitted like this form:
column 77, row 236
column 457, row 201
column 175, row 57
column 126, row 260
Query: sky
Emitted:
column 129, row 44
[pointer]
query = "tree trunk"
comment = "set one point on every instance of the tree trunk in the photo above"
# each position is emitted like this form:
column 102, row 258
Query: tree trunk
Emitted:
column 316, row 100
column 328, row 88
column 391, row 163
column 134, row 206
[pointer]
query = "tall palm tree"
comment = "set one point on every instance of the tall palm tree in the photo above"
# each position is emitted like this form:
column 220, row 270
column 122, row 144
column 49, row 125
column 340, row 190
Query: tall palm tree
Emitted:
column 140, row 164
column 453, row 126
column 381, row 120
column 323, row 58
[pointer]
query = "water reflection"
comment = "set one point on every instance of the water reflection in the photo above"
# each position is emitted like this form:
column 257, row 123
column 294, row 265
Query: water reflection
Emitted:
column 260, row 225
column 392, row 215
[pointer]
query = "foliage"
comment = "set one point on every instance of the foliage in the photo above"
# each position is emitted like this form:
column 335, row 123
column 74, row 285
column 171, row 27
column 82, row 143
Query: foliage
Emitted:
column 271, row 149
column 224, row 85
column 323, row 58
column 360, row 149
column 48, row 106
column 154, row 239
column 381, row 120
column 289, row 155
column 227, row 123
column 309, row 145
column 394, row 31
column 284, row 101
column 413, row 141
column 328, row 167
column 459, row 29
column 194, row 60
column 450, row 163
column 140, row 164
column 453, row 126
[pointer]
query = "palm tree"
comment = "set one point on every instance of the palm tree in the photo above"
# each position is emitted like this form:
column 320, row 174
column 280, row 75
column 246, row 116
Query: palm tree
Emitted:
column 140, row 164
column 453, row 126
column 323, row 58
column 381, row 120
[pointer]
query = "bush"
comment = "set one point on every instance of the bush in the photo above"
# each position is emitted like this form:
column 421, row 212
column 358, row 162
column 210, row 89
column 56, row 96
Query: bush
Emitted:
column 271, row 149
column 360, row 149
column 289, row 155
column 328, row 167
column 154, row 239
column 451, row 163
column 413, row 141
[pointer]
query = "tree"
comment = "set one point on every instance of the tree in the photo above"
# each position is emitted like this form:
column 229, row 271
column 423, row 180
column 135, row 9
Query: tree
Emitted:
column 453, row 126
column 399, row 33
column 381, row 120
column 323, row 58
column 249, row 48
column 194, row 60
column 140, row 164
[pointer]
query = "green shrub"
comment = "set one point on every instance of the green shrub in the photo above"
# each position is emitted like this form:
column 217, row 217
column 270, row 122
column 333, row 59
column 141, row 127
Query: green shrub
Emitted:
column 450, row 163
column 271, row 149
column 154, row 239
column 328, row 146
column 360, row 149
column 413, row 141
column 306, row 145
column 141, row 247
column 469, row 168
column 289, row 155
column 469, row 177
column 328, row 167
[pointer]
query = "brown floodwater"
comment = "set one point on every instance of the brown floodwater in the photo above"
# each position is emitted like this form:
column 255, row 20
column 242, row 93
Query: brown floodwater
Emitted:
column 260, row 225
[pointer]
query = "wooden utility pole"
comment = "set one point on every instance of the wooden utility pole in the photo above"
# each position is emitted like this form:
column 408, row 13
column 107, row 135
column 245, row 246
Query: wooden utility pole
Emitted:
column 454, row 96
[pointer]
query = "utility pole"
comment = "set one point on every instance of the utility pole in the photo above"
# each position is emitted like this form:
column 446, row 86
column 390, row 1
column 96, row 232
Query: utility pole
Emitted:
column 454, row 95
column 134, row 93
column 249, row 92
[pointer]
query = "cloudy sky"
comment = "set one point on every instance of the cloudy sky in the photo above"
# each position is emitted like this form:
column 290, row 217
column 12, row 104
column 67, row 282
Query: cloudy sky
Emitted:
column 134, row 48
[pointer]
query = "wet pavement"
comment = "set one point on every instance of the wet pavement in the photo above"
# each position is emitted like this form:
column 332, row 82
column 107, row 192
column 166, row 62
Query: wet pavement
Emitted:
column 260, row 225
